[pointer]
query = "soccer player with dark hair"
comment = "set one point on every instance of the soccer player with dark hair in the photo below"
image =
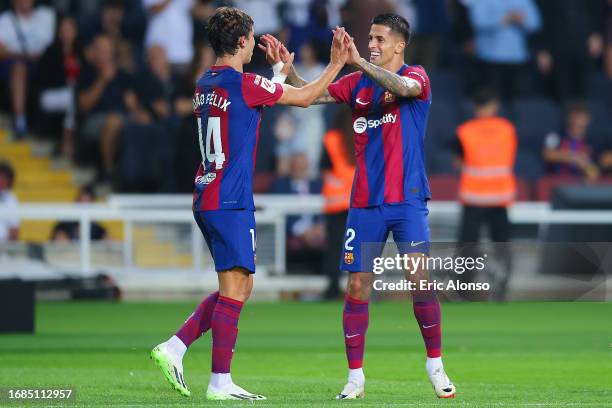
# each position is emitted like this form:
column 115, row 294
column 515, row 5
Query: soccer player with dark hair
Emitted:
column 228, row 105
column 390, row 102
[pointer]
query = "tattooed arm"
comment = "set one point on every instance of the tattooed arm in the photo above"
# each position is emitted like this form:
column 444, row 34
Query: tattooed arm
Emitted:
column 294, row 79
column 396, row 84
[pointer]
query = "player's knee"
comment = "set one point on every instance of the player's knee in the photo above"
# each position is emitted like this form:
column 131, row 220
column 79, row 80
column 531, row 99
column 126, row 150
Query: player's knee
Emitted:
column 359, row 287
column 245, row 292
column 236, row 284
column 239, row 293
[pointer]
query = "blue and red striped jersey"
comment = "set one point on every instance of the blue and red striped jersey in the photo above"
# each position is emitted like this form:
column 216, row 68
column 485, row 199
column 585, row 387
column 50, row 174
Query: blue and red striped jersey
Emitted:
column 389, row 136
column 228, row 105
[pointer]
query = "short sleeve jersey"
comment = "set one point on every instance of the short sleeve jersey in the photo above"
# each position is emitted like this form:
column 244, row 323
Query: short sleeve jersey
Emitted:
column 228, row 106
column 389, row 133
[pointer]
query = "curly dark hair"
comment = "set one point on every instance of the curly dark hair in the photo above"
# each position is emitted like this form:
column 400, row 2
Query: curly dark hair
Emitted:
column 395, row 22
column 225, row 27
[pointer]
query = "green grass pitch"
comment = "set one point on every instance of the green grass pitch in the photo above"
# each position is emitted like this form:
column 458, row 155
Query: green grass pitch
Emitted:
column 510, row 355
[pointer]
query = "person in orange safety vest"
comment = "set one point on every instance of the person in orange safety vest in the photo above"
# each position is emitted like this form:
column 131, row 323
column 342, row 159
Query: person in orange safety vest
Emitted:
column 488, row 144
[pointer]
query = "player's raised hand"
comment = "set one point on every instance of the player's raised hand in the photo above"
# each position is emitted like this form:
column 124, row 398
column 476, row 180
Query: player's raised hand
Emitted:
column 287, row 59
column 353, row 53
column 270, row 46
column 276, row 52
column 339, row 49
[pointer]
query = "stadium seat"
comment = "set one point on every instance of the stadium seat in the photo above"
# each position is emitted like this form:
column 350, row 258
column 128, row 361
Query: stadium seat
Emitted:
column 441, row 136
column 600, row 131
column 606, row 180
column 545, row 185
column 439, row 160
column 445, row 84
column 534, row 118
column 443, row 121
column 523, row 190
column 444, row 187
column 600, row 88
column 528, row 164
column 146, row 156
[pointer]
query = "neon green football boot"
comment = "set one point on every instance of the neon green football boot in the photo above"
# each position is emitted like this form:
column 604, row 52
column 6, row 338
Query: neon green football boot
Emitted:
column 171, row 367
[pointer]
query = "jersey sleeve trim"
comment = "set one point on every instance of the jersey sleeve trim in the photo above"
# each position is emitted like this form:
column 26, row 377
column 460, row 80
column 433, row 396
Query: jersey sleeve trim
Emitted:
column 259, row 91
column 418, row 74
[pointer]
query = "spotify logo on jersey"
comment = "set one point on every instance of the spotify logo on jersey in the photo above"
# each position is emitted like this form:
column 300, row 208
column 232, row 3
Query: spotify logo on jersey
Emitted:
column 360, row 125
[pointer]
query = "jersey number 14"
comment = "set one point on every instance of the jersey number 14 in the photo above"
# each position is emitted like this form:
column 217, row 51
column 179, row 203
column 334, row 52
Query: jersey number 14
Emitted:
column 213, row 142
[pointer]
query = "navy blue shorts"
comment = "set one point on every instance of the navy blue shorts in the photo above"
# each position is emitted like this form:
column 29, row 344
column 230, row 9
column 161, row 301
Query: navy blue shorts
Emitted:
column 367, row 230
column 230, row 236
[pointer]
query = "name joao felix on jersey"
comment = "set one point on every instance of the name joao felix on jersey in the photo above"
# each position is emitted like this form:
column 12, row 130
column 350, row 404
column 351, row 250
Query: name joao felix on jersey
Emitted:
column 212, row 99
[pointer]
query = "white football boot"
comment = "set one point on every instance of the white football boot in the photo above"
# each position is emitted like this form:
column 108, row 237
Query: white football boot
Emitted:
column 352, row 390
column 442, row 385
column 231, row 392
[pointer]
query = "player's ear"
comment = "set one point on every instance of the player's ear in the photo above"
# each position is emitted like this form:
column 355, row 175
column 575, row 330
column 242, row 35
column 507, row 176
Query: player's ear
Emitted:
column 400, row 46
column 242, row 41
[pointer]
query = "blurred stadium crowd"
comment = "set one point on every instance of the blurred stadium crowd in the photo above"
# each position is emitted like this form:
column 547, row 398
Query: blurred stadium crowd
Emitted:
column 111, row 81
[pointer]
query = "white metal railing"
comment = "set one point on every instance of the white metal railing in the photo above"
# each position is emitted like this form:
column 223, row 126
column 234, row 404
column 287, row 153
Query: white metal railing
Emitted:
column 272, row 209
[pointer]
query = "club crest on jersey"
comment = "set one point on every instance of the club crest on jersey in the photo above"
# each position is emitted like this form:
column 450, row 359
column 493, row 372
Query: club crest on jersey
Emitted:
column 206, row 179
column 349, row 258
column 389, row 97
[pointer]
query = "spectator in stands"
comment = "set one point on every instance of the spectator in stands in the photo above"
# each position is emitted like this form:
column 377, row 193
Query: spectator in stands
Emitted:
column 149, row 126
column 605, row 162
column 357, row 17
column 110, row 21
column 572, row 38
column 62, row 62
column 171, row 26
column 285, row 130
column 101, row 89
column 608, row 41
column 307, row 22
column 9, row 229
column 70, row 230
column 305, row 233
column 569, row 153
column 309, row 123
column 201, row 12
column 25, row 32
column 461, row 31
column 338, row 166
column 124, row 33
column 156, row 85
column 461, row 48
column 264, row 12
column 187, row 158
column 430, row 26
column 501, row 29
column 488, row 145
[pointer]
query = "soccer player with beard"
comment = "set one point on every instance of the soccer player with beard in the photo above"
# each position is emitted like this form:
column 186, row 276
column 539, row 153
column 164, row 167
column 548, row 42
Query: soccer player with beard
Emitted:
column 228, row 105
column 390, row 102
